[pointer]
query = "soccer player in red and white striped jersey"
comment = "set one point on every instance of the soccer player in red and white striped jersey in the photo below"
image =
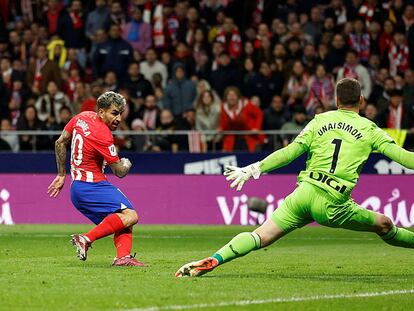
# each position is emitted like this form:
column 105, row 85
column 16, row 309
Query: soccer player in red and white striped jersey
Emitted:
column 105, row 205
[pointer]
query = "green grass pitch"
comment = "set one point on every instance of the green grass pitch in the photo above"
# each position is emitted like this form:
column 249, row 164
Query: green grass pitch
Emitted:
column 311, row 269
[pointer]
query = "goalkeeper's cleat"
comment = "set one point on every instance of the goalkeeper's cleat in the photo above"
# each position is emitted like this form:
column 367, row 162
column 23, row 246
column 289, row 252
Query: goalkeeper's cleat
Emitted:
column 127, row 261
column 197, row 268
column 81, row 244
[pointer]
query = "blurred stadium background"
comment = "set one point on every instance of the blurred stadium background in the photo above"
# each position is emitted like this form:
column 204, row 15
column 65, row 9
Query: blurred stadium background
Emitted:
column 208, row 84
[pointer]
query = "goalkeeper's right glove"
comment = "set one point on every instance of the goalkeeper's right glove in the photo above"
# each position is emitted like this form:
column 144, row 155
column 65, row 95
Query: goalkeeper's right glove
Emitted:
column 239, row 175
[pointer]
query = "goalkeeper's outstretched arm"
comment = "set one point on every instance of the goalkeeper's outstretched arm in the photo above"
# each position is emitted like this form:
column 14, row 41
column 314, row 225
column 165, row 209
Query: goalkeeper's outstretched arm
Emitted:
column 282, row 157
column 279, row 158
column 400, row 155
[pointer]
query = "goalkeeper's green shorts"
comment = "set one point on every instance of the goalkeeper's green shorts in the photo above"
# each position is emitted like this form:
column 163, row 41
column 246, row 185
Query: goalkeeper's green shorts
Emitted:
column 309, row 203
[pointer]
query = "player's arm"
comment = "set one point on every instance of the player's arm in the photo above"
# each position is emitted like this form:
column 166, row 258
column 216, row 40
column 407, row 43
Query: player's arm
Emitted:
column 121, row 167
column 399, row 155
column 282, row 157
column 60, row 153
column 279, row 158
column 384, row 144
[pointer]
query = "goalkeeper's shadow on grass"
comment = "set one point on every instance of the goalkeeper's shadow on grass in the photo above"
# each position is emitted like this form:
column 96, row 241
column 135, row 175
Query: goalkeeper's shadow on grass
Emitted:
column 333, row 277
column 236, row 276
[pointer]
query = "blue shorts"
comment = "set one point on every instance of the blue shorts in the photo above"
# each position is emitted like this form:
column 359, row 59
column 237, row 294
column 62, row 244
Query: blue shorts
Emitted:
column 97, row 200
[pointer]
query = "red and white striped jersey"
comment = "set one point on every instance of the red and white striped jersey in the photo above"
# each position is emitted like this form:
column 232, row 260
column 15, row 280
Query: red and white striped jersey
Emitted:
column 92, row 147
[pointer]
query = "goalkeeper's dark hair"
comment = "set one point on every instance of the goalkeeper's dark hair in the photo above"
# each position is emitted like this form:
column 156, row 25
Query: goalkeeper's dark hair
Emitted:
column 348, row 91
column 108, row 98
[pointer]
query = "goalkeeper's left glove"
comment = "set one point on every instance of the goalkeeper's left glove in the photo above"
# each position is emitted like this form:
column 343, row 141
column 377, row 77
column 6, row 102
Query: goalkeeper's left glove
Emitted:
column 240, row 175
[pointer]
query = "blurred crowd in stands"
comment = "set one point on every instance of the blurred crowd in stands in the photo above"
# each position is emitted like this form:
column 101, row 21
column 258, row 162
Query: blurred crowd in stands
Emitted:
column 227, row 65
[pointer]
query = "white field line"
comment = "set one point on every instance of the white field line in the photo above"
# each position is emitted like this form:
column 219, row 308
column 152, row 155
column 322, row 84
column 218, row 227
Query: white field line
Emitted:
column 275, row 300
column 52, row 235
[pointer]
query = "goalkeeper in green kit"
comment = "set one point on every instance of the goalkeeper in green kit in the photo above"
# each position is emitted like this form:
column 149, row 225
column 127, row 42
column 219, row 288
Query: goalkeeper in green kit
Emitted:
column 338, row 144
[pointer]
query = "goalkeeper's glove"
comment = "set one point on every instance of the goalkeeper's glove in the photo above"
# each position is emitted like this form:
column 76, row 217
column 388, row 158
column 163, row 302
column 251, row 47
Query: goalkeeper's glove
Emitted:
column 239, row 175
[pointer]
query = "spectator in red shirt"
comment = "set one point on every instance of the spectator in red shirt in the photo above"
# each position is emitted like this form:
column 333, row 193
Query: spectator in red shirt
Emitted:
column 90, row 103
column 262, row 32
column 385, row 38
column 53, row 11
column 239, row 114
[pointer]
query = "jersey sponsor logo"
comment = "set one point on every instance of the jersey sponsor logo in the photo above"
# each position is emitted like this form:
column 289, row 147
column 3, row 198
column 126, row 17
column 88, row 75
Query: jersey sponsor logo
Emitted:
column 5, row 217
column 325, row 179
column 112, row 150
column 340, row 126
column 210, row 167
column 84, row 126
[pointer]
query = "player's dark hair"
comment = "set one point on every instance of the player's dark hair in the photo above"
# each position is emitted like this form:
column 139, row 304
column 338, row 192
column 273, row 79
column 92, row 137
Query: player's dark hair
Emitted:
column 108, row 98
column 348, row 91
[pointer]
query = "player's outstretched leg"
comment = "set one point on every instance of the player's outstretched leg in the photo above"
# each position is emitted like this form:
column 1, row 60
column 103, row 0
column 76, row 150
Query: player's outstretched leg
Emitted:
column 240, row 245
column 109, row 225
column 393, row 235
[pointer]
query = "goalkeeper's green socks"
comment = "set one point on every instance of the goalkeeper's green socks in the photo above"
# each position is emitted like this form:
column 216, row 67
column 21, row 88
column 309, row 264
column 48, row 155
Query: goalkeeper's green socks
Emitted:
column 399, row 237
column 240, row 245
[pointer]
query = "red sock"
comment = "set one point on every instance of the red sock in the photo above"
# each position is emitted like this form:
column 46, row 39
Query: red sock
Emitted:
column 123, row 242
column 109, row 225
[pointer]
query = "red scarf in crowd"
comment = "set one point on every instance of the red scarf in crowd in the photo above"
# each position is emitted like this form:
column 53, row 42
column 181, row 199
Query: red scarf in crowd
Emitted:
column 158, row 29
column 257, row 13
column 40, row 63
column 360, row 43
column 350, row 71
column 76, row 20
column 150, row 118
column 366, row 11
column 399, row 58
column 395, row 117
column 234, row 46
column 320, row 90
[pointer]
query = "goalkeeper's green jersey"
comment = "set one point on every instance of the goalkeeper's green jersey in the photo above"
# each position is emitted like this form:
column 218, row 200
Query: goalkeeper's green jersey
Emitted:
column 338, row 144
